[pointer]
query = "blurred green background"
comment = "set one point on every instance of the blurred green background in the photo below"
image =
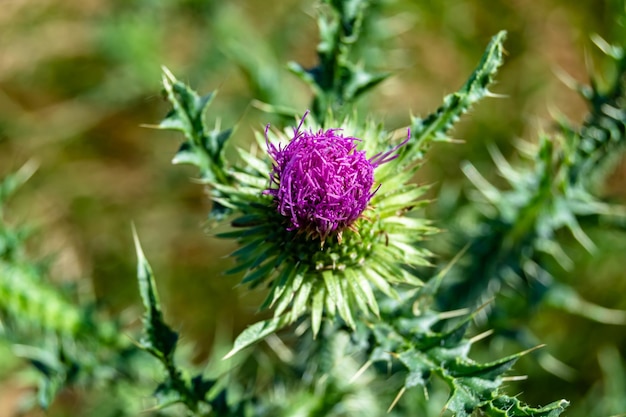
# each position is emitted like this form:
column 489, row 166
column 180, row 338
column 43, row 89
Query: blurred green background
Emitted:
column 79, row 78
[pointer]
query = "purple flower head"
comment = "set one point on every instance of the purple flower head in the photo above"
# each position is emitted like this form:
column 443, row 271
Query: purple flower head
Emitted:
column 320, row 182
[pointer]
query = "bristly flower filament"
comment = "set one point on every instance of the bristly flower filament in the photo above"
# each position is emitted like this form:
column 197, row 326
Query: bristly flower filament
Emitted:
column 321, row 183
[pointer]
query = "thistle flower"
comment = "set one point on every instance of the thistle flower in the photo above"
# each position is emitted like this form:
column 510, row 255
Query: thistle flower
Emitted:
column 323, row 183
column 327, row 226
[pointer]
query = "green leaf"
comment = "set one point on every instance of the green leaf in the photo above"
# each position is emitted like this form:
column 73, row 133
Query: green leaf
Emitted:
column 425, row 353
column 362, row 81
column 203, row 148
column 252, row 162
column 160, row 340
column 512, row 407
column 51, row 364
column 419, row 366
column 435, row 126
column 301, row 300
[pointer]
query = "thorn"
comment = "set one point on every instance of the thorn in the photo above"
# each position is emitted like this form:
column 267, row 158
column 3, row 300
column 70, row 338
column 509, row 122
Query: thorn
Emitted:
column 201, row 182
column 230, row 354
column 27, row 170
column 303, row 327
column 265, row 107
column 481, row 336
column 525, row 148
column 582, row 237
column 282, row 351
column 514, row 378
column 504, row 167
column 606, row 47
column 159, row 407
column 168, row 74
column 456, row 141
column 588, row 62
column 495, row 95
column 612, row 111
column 392, row 354
column 563, row 76
column 453, row 313
column 151, row 409
column 453, row 262
column 149, row 126
column 361, row 370
column 395, row 400
column 556, row 367
column 485, row 304
column 491, row 193
column 138, row 249
column 134, row 342
column 532, row 349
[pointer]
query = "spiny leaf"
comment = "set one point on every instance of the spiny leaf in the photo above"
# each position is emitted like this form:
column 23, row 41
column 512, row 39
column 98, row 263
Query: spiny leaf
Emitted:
column 54, row 367
column 336, row 80
column 435, row 126
column 11, row 182
column 203, row 148
column 425, row 353
column 160, row 340
column 512, row 407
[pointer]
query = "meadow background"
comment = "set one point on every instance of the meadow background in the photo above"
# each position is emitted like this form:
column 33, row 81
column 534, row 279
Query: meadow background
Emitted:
column 79, row 78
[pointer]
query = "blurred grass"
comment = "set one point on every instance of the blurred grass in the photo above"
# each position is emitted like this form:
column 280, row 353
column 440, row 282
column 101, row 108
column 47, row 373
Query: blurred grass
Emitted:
column 77, row 79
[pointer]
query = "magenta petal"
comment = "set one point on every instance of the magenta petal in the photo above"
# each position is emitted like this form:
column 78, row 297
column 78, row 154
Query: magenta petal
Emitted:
column 321, row 182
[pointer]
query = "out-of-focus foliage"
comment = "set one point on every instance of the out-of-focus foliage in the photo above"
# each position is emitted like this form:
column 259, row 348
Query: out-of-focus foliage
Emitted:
column 337, row 80
column 67, row 344
column 516, row 232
